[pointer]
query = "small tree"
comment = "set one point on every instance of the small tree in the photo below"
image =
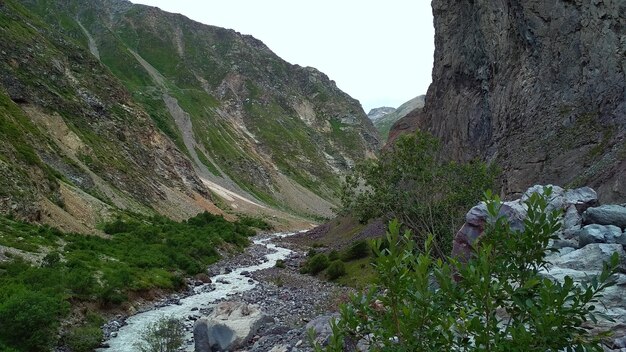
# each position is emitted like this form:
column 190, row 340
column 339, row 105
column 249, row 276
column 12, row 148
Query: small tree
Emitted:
column 164, row 335
column 501, row 302
column 414, row 183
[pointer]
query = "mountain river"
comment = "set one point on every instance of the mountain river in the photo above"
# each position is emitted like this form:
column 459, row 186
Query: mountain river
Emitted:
column 224, row 284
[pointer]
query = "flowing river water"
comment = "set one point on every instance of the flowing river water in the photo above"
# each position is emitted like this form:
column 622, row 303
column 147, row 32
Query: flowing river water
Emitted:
column 225, row 285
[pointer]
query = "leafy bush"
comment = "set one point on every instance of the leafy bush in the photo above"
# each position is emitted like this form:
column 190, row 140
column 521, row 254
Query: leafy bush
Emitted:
column 255, row 222
column 316, row 264
column 412, row 182
column 335, row 270
column 84, row 338
column 500, row 301
column 357, row 250
column 333, row 255
column 29, row 319
column 164, row 335
column 280, row 264
column 51, row 259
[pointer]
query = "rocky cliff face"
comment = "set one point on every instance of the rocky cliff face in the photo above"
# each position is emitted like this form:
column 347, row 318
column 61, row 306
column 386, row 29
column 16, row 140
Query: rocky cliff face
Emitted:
column 108, row 105
column 539, row 87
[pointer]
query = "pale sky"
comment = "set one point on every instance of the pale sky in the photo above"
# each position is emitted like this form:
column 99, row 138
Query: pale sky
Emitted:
column 378, row 51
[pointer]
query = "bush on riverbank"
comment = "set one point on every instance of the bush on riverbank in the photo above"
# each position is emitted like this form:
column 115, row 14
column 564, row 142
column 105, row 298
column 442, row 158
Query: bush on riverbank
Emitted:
column 141, row 254
column 497, row 300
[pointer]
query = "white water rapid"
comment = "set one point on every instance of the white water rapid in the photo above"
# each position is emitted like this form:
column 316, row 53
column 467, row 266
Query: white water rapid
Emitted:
column 129, row 334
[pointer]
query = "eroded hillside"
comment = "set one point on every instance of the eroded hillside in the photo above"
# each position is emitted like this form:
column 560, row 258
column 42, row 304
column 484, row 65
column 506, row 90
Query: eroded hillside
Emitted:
column 108, row 105
column 249, row 121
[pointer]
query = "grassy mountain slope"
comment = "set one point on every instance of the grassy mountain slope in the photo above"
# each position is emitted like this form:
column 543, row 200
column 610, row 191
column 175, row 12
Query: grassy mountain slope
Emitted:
column 249, row 121
column 78, row 146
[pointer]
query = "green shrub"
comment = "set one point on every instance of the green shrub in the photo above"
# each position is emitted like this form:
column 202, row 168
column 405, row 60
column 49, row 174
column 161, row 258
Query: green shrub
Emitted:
column 164, row 335
column 413, row 182
column 280, row 264
column 333, row 255
column 51, row 259
column 317, row 263
column 29, row 320
column 255, row 222
column 119, row 226
column 500, row 302
column 357, row 250
column 335, row 270
column 84, row 338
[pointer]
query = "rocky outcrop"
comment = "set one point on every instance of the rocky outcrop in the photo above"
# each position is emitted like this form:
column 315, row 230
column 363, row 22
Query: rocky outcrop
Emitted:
column 538, row 87
column 582, row 245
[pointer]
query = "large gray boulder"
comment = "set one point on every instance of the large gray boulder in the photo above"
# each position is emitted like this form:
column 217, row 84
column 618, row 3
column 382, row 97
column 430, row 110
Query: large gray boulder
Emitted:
column 201, row 336
column 321, row 328
column 229, row 326
column 589, row 258
column 595, row 233
column 606, row 215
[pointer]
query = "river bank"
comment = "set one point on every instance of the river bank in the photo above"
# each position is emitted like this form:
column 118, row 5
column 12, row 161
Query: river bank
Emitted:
column 290, row 299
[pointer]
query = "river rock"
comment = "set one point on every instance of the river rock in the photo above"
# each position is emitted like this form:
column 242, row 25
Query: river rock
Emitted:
column 606, row 215
column 581, row 198
column 595, row 233
column 591, row 257
column 229, row 326
column 321, row 327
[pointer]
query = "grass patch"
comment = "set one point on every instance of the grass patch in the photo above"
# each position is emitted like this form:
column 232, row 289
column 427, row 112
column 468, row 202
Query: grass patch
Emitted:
column 359, row 273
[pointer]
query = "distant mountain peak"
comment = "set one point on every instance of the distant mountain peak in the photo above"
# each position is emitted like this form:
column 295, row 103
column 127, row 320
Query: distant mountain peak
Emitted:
column 378, row 113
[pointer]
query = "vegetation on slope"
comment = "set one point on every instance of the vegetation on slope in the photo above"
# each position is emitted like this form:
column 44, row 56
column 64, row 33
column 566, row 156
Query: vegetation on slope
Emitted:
column 500, row 301
column 139, row 255
column 250, row 110
column 67, row 118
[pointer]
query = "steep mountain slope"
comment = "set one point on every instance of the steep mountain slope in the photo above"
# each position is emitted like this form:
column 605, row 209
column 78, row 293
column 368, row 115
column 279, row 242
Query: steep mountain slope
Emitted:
column 249, row 121
column 383, row 123
column 537, row 87
column 105, row 105
column 75, row 146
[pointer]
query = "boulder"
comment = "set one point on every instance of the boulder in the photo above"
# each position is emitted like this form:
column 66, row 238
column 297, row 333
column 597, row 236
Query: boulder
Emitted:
column 589, row 258
column 201, row 336
column 475, row 221
column 595, row 233
column 606, row 215
column 571, row 218
column 321, row 327
column 581, row 198
column 229, row 326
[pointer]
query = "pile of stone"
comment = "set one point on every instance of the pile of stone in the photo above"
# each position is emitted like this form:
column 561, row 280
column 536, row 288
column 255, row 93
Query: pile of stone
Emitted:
column 589, row 235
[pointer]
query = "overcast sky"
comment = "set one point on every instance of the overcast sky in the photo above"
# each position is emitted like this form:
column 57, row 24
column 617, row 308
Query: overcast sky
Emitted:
column 379, row 52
